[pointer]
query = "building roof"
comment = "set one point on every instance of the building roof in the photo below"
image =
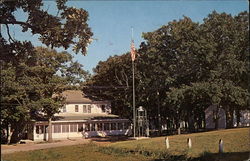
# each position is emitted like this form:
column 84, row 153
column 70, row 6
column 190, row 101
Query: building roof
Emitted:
column 91, row 116
column 75, row 96
column 72, row 117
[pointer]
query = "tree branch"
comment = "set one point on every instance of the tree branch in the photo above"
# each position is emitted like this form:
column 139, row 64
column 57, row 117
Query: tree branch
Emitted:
column 8, row 32
column 119, row 81
column 16, row 23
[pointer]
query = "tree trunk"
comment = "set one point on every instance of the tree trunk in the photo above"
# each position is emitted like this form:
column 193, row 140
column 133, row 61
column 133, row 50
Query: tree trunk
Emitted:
column 204, row 120
column 238, row 117
column 179, row 128
column 9, row 134
column 17, row 133
column 159, row 115
column 50, row 131
column 191, row 123
column 14, row 137
column 216, row 117
column 229, row 119
column 216, row 124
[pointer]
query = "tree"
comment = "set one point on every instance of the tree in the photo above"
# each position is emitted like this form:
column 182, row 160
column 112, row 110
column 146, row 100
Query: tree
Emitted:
column 51, row 83
column 31, row 79
column 68, row 27
column 33, row 89
column 36, row 86
column 186, row 67
column 227, row 64
column 112, row 81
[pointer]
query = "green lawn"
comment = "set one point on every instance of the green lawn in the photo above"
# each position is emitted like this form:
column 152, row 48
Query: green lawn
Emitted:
column 89, row 152
column 205, row 147
column 235, row 140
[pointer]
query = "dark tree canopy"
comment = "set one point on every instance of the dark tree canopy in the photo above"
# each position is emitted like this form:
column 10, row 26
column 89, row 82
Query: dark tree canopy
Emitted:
column 184, row 67
column 33, row 77
column 68, row 28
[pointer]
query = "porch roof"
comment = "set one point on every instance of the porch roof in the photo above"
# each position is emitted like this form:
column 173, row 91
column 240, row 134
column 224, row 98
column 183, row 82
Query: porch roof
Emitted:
column 74, row 116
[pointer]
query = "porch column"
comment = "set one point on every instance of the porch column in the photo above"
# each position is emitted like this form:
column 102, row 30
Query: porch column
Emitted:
column 116, row 126
column 83, row 126
column 34, row 132
column 96, row 128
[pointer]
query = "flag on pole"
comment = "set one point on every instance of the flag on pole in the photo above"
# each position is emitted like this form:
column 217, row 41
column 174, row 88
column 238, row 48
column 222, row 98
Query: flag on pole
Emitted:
column 132, row 50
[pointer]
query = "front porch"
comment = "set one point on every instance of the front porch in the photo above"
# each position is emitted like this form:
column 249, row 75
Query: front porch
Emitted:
column 80, row 129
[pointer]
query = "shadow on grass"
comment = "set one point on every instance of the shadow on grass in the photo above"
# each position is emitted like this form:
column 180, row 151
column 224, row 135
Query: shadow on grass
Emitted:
column 232, row 156
column 110, row 139
column 164, row 156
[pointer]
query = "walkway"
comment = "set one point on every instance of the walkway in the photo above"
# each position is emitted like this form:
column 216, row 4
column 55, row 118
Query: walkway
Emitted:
column 6, row 149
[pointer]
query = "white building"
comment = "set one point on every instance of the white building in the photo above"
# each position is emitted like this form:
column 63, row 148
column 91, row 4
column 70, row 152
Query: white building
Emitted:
column 80, row 117
column 213, row 111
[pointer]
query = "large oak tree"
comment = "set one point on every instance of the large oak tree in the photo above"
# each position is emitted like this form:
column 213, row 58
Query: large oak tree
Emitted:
column 30, row 76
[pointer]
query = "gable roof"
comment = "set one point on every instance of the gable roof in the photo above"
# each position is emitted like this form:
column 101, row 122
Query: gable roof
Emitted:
column 75, row 96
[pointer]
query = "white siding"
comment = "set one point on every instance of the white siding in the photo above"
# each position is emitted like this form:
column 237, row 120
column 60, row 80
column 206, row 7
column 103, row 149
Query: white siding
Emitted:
column 95, row 108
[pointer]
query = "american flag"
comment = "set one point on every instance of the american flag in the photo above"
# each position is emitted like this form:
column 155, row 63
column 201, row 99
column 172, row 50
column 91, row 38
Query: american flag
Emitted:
column 132, row 50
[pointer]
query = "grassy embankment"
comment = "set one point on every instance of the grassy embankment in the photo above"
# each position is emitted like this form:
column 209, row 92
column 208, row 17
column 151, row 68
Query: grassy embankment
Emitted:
column 204, row 147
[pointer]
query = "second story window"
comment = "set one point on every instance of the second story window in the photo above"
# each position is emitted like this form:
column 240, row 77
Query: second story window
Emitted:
column 89, row 108
column 76, row 108
column 64, row 109
column 103, row 108
column 84, row 109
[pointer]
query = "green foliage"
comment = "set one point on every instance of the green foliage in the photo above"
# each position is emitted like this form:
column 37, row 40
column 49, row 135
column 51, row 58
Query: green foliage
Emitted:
column 33, row 78
column 33, row 86
column 184, row 67
column 112, row 81
column 68, row 27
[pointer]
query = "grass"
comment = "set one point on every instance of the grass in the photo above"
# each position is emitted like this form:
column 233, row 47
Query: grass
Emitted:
column 235, row 140
column 205, row 148
column 89, row 152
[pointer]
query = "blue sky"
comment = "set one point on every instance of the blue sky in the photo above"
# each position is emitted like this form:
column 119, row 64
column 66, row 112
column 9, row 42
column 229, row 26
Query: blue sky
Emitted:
column 111, row 22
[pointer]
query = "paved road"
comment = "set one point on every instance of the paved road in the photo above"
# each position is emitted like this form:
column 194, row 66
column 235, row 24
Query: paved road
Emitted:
column 6, row 149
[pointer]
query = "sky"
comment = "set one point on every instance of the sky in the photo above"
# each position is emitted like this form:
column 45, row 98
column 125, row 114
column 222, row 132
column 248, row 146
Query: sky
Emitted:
column 111, row 22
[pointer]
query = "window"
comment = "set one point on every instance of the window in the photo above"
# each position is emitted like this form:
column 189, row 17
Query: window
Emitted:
column 99, row 127
column 103, row 108
column 84, row 109
column 65, row 128
column 47, row 128
column 113, row 126
column 73, row 127
column 87, row 127
column 76, row 108
column 92, row 127
column 126, row 125
column 39, row 129
column 89, row 108
column 120, row 126
column 64, row 109
column 57, row 128
column 80, row 127
column 106, row 126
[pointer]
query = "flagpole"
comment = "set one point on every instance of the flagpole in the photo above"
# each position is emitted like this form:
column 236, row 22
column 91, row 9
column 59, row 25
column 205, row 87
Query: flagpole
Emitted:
column 133, row 70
